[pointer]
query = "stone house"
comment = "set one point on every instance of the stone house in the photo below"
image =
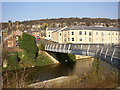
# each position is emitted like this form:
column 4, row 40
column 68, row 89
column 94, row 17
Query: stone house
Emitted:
column 11, row 41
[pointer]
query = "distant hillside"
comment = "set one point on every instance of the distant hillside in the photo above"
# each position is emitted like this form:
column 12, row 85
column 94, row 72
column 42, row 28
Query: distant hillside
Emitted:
column 70, row 20
column 61, row 22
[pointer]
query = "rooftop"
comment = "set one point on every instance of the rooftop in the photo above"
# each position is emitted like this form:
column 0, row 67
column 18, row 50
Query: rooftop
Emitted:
column 52, row 29
column 92, row 28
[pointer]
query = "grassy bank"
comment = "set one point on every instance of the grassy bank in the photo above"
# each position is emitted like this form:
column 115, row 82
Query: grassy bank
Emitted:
column 18, row 60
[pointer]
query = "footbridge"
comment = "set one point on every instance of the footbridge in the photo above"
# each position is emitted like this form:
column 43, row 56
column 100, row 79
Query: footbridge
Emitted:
column 108, row 53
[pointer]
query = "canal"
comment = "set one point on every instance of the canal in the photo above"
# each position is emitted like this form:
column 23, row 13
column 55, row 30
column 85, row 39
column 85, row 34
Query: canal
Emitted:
column 91, row 70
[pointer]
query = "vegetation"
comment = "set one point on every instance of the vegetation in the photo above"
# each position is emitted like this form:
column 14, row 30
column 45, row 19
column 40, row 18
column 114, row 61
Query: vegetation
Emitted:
column 88, row 23
column 42, row 60
column 105, row 77
column 18, row 60
column 107, row 25
column 13, row 60
column 51, row 22
column 28, row 44
column 65, row 58
column 29, row 57
column 41, row 47
column 72, row 56
column 17, row 78
column 69, row 43
column 70, row 20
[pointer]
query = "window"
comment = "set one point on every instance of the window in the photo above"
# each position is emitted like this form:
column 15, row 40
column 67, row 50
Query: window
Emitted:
column 65, row 34
column 90, row 33
column 102, row 33
column 72, row 39
column 68, row 33
column 60, row 34
column 80, row 39
column 90, row 39
column 16, row 38
column 68, row 39
column 65, row 39
column 85, row 33
column 72, row 33
column 80, row 33
column 96, row 33
column 113, row 33
column 102, row 39
column 116, row 33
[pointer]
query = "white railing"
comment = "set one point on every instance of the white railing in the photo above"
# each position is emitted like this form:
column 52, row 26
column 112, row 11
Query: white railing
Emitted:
column 88, row 49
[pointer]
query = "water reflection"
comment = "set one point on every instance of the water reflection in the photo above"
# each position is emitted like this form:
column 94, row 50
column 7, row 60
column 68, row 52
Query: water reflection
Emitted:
column 42, row 73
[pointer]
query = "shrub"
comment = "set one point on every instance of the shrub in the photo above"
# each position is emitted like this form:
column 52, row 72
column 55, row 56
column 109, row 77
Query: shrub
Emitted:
column 13, row 60
column 72, row 57
column 28, row 44
column 41, row 47
column 65, row 58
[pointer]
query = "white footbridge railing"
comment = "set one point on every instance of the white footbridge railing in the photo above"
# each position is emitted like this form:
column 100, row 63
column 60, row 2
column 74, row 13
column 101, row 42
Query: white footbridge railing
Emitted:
column 96, row 50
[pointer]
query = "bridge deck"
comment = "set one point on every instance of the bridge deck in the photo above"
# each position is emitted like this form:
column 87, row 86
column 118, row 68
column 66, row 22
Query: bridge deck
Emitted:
column 102, row 51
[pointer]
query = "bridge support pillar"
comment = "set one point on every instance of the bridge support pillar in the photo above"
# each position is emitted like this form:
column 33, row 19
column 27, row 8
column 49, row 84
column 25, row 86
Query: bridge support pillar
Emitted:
column 56, row 49
column 88, row 50
column 113, row 54
column 47, row 46
column 81, row 46
column 97, row 50
column 106, row 52
column 69, row 48
column 60, row 48
column 64, row 48
column 51, row 47
column 101, row 51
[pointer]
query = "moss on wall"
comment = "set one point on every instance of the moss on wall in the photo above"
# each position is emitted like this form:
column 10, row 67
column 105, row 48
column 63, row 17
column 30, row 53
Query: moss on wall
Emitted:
column 63, row 57
column 66, row 58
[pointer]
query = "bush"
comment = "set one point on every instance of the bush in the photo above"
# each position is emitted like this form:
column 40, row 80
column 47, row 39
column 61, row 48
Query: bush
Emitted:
column 42, row 47
column 65, row 58
column 72, row 56
column 13, row 60
column 69, row 43
column 28, row 44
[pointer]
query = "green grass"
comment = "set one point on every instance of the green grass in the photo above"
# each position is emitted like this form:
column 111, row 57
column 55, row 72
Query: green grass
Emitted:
column 25, row 61
column 42, row 60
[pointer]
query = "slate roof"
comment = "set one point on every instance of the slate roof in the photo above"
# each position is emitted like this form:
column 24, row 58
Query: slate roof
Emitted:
column 52, row 29
column 92, row 28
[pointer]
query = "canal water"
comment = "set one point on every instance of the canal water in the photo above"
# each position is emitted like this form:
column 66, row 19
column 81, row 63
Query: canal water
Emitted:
column 42, row 73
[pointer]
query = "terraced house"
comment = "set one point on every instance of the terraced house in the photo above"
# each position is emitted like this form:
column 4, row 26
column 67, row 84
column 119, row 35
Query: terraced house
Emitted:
column 86, row 34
